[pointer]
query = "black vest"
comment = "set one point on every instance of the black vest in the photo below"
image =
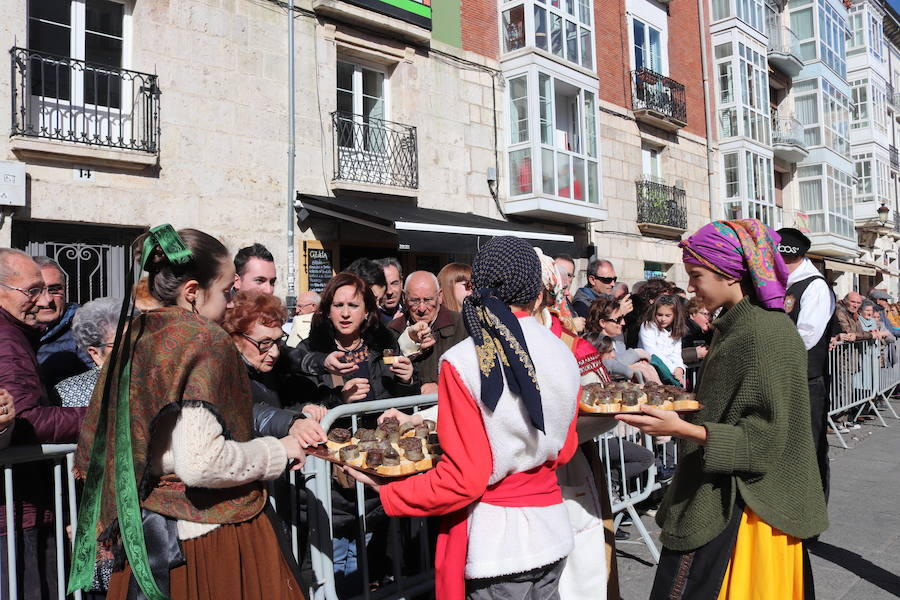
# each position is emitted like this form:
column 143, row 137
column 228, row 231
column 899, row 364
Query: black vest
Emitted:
column 817, row 356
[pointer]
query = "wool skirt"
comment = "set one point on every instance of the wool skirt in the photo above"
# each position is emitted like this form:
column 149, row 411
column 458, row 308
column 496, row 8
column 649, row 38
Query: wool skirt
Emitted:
column 243, row 561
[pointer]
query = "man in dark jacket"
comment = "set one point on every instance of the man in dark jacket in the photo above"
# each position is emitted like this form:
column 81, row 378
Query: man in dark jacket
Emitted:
column 58, row 355
column 21, row 290
column 427, row 328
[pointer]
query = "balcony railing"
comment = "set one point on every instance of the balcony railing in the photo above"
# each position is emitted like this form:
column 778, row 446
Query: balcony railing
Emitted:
column 374, row 151
column 787, row 130
column 783, row 40
column 659, row 95
column 660, row 205
column 63, row 99
column 895, row 157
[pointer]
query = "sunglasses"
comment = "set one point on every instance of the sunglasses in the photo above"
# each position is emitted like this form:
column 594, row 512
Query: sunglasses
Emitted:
column 605, row 279
column 620, row 320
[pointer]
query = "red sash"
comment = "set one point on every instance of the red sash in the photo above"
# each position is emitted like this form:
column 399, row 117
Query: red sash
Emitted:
column 537, row 487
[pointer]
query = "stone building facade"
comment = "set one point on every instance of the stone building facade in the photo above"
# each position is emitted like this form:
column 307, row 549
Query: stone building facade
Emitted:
column 133, row 113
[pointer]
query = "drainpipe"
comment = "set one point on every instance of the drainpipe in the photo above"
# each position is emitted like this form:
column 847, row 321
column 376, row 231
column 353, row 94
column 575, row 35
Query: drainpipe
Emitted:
column 707, row 112
column 291, row 298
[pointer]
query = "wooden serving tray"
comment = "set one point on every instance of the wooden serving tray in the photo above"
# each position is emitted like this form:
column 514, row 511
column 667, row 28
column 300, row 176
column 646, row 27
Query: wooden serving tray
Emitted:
column 680, row 411
column 321, row 451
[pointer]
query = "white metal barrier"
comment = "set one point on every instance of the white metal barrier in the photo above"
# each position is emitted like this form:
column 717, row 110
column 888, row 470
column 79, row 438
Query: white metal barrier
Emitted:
column 65, row 509
column 861, row 373
column 317, row 474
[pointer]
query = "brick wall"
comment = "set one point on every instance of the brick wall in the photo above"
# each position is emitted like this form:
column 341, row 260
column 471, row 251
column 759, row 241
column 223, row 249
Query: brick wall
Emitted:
column 613, row 56
column 612, row 51
column 480, row 30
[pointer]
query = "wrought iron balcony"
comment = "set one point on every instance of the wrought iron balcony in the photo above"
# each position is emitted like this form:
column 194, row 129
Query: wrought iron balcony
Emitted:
column 658, row 100
column 788, row 141
column 660, row 209
column 895, row 157
column 784, row 50
column 374, row 151
column 63, row 99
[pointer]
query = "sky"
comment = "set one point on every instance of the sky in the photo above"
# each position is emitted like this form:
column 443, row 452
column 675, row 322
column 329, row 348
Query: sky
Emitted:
column 895, row 4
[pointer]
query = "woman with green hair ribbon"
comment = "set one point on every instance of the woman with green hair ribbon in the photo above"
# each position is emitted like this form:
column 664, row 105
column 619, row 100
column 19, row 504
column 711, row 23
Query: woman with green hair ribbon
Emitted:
column 166, row 454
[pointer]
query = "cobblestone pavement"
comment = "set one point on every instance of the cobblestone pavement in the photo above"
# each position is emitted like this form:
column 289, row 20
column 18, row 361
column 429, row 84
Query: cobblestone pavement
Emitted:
column 858, row 558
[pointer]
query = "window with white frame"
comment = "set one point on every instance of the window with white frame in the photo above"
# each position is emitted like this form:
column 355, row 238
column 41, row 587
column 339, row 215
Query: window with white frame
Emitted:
column 836, row 110
column 826, row 197
column 732, row 172
column 876, row 38
column 832, row 46
column 803, row 25
column 743, row 99
column 856, row 23
column 562, row 148
column 362, row 108
column 749, row 187
column 88, row 30
column 865, row 184
column 754, row 81
column 651, row 163
column 728, row 110
column 563, row 27
column 879, row 106
column 883, row 172
column 806, row 107
column 859, row 107
column 751, row 12
column 647, row 47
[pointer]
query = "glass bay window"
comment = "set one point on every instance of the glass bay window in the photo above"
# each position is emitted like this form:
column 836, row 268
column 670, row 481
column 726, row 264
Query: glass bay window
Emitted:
column 742, row 83
column 553, row 148
column 564, row 28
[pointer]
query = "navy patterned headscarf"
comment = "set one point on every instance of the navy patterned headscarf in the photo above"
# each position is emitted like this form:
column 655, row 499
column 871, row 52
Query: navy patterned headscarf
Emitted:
column 506, row 271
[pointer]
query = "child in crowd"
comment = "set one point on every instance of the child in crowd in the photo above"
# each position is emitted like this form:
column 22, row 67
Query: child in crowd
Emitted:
column 661, row 333
column 604, row 344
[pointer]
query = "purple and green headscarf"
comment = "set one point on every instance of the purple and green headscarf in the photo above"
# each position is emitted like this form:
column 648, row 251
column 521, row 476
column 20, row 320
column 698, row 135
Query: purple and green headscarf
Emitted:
column 735, row 249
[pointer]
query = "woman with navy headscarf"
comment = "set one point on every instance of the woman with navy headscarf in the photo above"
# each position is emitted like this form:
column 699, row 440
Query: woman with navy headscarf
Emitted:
column 507, row 402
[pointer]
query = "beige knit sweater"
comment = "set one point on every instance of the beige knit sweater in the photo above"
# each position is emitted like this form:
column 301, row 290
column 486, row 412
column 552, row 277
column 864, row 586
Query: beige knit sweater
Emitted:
column 190, row 444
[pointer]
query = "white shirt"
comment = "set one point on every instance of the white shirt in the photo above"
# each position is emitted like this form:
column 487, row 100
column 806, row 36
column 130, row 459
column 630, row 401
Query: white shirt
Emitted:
column 661, row 343
column 813, row 318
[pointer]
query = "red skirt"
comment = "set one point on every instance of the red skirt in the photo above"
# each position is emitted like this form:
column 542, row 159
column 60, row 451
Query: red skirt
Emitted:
column 242, row 561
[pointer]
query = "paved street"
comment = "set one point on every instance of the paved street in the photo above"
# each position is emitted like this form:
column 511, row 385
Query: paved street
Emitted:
column 858, row 558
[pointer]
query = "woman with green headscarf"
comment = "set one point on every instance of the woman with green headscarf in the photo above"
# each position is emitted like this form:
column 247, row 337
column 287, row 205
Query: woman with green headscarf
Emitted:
column 172, row 479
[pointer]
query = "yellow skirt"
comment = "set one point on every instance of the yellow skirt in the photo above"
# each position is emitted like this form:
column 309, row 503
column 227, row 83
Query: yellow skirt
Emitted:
column 766, row 563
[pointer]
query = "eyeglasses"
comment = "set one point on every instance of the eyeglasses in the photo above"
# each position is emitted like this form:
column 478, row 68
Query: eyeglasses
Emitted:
column 265, row 344
column 31, row 293
column 704, row 313
column 56, row 289
column 425, row 301
column 620, row 320
column 605, row 279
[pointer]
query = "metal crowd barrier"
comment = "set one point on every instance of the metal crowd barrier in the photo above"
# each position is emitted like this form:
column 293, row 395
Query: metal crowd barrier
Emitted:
column 634, row 490
column 317, row 475
column 861, row 373
column 65, row 508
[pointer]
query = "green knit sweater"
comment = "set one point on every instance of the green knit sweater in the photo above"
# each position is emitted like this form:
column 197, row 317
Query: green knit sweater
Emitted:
column 756, row 413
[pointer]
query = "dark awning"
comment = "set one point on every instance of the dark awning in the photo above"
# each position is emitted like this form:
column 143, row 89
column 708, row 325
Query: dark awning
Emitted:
column 429, row 230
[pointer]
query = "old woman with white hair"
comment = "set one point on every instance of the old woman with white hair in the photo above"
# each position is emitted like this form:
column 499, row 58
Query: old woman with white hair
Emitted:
column 94, row 330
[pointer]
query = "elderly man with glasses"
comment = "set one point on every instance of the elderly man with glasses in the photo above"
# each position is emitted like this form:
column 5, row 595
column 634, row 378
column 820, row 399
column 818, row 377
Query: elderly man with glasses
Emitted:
column 58, row 354
column 22, row 292
column 426, row 329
